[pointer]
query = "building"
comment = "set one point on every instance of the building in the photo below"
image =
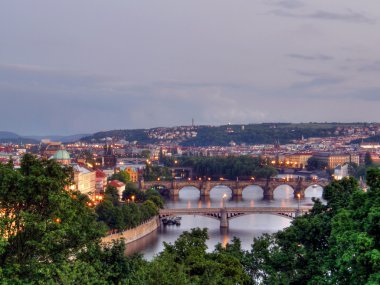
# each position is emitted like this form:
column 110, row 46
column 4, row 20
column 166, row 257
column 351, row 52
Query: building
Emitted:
column 120, row 186
column 298, row 160
column 133, row 173
column 84, row 180
column 341, row 171
column 62, row 157
column 109, row 158
column 101, row 181
column 333, row 160
column 48, row 149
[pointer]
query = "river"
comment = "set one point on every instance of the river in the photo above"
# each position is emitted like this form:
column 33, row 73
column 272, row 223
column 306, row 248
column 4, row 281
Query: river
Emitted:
column 245, row 227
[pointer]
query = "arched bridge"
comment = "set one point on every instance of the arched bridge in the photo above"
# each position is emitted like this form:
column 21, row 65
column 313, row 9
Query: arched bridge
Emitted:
column 225, row 214
column 299, row 186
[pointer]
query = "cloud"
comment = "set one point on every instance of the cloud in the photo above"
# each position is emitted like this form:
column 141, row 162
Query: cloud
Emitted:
column 49, row 101
column 371, row 67
column 317, row 57
column 317, row 82
column 348, row 16
column 288, row 4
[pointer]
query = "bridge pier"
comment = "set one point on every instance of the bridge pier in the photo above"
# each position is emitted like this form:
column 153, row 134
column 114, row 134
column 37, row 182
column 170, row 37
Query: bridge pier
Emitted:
column 223, row 218
column 299, row 190
column 237, row 192
column 205, row 192
column 174, row 192
column 205, row 189
column 268, row 193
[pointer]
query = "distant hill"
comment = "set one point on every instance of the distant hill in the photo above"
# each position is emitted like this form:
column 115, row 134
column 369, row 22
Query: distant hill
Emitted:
column 266, row 133
column 8, row 135
column 64, row 139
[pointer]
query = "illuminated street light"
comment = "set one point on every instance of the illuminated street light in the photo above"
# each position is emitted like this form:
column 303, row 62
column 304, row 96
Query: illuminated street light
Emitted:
column 223, row 200
column 298, row 198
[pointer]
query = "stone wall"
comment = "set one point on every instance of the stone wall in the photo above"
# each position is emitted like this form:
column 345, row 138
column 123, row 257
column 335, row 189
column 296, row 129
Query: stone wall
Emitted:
column 135, row 233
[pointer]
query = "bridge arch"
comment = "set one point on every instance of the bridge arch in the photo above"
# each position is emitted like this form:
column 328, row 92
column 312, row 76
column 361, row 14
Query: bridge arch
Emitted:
column 215, row 217
column 215, row 187
column 193, row 191
column 287, row 193
column 253, row 191
column 282, row 215
column 315, row 190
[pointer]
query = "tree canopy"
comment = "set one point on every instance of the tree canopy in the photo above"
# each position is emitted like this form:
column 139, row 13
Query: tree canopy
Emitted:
column 336, row 243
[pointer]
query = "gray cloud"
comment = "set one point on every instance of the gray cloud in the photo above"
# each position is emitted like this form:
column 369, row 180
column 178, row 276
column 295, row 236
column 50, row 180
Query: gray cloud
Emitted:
column 288, row 4
column 320, row 82
column 318, row 57
column 348, row 16
column 371, row 67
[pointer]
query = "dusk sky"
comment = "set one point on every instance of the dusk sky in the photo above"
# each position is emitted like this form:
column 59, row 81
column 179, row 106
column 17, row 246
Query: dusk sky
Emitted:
column 82, row 66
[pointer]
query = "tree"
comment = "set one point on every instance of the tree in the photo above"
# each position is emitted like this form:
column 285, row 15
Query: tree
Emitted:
column 187, row 262
column 40, row 222
column 368, row 159
column 336, row 243
column 112, row 194
column 316, row 164
column 122, row 176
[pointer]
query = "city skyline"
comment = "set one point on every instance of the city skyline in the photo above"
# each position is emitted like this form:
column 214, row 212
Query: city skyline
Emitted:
column 95, row 65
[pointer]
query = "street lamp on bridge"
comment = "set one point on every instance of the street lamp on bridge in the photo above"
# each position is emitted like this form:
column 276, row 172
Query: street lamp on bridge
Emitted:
column 298, row 198
column 223, row 200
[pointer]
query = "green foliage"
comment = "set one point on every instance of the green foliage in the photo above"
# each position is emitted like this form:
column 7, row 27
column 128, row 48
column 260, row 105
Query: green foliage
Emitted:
column 368, row 159
column 119, row 216
column 337, row 243
column 228, row 167
column 122, row 176
column 316, row 164
column 41, row 219
column 187, row 262
column 153, row 172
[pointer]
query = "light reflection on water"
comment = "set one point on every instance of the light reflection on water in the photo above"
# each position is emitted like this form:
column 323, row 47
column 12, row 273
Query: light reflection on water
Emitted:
column 245, row 227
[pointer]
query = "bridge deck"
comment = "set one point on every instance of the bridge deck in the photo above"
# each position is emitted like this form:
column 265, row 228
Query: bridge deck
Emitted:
column 243, row 210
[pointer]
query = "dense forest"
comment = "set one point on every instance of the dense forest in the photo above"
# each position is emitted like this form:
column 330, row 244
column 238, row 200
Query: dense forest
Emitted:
column 265, row 133
column 49, row 235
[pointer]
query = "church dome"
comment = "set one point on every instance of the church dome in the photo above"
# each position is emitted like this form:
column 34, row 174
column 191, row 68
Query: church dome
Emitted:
column 61, row 155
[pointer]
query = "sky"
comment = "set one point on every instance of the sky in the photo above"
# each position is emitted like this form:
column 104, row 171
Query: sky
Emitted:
column 81, row 66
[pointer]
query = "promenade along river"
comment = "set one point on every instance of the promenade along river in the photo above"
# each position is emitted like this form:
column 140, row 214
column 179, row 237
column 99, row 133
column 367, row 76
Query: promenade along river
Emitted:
column 245, row 227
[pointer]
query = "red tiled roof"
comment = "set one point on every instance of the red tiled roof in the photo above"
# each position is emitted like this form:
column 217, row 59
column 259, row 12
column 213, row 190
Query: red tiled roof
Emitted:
column 100, row 174
column 116, row 183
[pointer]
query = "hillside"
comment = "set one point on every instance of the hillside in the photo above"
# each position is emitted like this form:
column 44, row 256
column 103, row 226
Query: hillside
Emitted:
column 266, row 133
column 9, row 137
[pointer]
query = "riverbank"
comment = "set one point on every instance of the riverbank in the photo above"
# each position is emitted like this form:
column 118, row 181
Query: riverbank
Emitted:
column 136, row 233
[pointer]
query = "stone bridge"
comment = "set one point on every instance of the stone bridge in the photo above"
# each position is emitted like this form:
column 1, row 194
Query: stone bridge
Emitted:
column 268, row 185
column 225, row 214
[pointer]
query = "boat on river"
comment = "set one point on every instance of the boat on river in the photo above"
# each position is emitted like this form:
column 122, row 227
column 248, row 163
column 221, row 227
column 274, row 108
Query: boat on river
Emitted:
column 168, row 221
